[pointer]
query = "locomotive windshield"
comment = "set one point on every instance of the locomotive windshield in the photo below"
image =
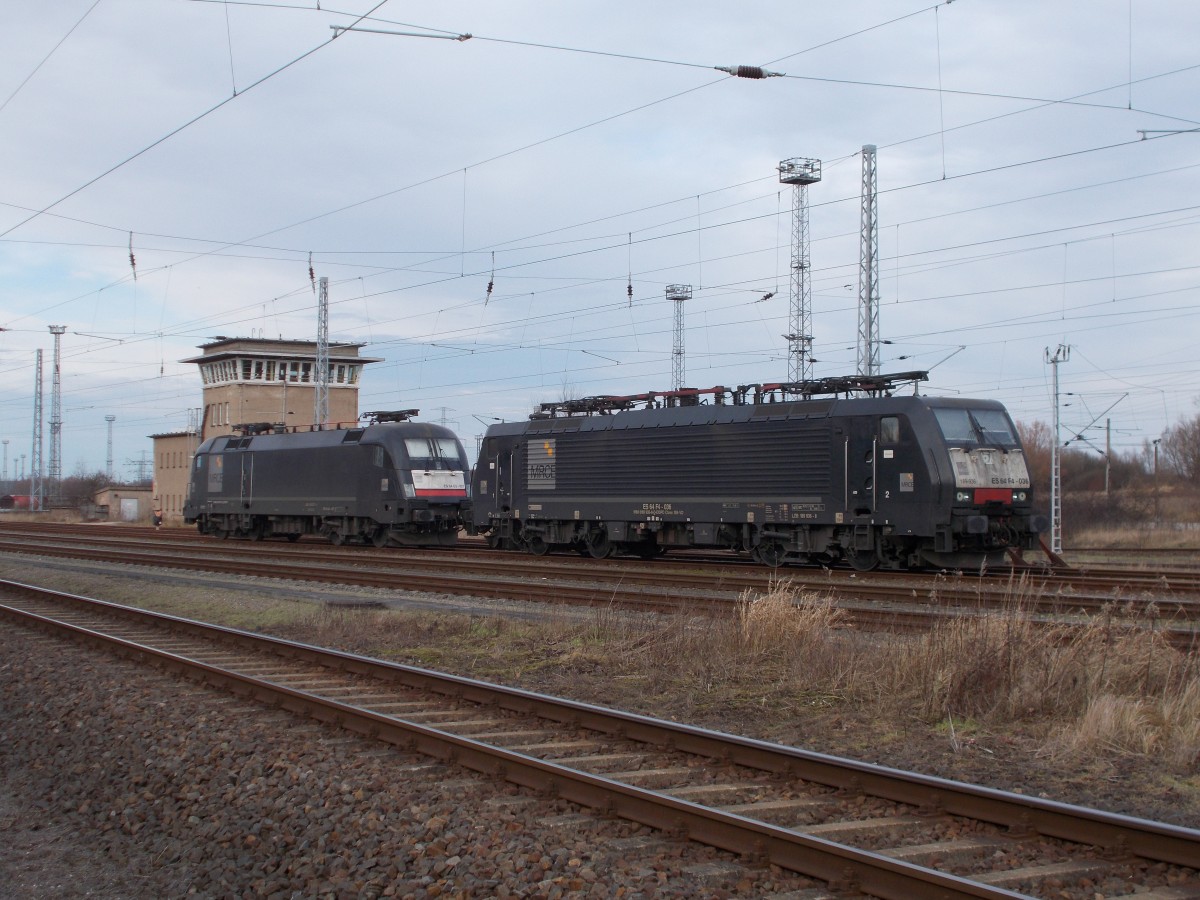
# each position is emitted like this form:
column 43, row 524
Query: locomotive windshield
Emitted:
column 976, row 427
column 433, row 453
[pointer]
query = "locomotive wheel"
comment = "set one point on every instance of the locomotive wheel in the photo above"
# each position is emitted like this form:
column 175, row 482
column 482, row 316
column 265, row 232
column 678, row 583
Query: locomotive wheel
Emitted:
column 862, row 560
column 381, row 538
column 494, row 540
column 337, row 538
column 293, row 537
column 769, row 553
column 598, row 544
column 537, row 545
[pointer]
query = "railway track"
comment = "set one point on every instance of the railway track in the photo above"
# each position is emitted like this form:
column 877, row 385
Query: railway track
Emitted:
column 858, row 827
column 904, row 604
column 705, row 566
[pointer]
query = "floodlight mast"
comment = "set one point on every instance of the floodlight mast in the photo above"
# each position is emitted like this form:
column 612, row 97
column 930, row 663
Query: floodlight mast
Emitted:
column 800, row 172
column 679, row 294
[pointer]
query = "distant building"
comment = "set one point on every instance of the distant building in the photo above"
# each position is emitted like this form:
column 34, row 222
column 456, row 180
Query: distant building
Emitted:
column 251, row 381
column 123, row 503
column 173, row 454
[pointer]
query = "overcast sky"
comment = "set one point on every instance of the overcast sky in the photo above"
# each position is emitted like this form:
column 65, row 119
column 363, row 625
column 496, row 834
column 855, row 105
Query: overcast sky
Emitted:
column 569, row 149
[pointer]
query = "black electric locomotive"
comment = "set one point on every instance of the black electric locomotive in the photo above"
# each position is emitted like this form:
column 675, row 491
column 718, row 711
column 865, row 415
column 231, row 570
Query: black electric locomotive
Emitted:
column 779, row 471
column 392, row 481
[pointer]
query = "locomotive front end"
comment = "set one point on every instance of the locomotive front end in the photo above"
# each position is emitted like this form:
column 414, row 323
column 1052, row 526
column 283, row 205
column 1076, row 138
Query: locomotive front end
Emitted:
column 991, row 496
column 432, row 471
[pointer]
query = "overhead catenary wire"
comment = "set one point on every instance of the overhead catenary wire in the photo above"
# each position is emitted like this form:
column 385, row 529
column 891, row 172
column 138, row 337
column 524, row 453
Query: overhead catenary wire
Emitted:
column 628, row 242
column 166, row 137
column 46, row 58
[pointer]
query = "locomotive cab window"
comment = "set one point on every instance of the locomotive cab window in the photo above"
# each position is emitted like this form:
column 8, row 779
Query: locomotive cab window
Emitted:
column 976, row 427
column 433, row 453
column 889, row 430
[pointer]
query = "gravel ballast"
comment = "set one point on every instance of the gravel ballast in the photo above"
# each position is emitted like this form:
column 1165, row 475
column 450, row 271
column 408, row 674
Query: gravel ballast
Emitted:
column 124, row 782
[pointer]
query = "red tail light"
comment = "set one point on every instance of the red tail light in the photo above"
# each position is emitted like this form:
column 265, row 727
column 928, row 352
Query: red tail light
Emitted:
column 993, row 495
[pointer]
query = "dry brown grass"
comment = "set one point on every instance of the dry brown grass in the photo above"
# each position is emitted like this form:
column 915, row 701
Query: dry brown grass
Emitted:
column 1167, row 727
column 1132, row 537
column 1110, row 688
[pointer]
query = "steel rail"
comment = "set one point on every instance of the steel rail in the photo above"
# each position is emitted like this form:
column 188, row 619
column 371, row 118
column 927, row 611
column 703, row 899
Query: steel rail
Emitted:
column 1046, row 594
column 892, row 614
column 1072, row 585
column 844, row 867
column 1030, row 815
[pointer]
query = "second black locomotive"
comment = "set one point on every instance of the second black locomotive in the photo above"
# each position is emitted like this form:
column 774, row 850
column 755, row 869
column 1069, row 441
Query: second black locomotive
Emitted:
column 875, row 480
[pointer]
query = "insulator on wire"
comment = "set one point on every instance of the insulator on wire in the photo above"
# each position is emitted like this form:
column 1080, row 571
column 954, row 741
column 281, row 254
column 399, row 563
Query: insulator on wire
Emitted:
column 312, row 275
column 132, row 261
column 748, row 71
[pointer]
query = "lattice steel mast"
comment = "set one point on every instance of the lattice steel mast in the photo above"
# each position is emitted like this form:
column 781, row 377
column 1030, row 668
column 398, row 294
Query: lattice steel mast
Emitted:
column 1061, row 355
column 679, row 293
column 36, row 488
column 868, row 269
column 800, row 173
column 321, row 398
column 54, row 475
column 108, row 471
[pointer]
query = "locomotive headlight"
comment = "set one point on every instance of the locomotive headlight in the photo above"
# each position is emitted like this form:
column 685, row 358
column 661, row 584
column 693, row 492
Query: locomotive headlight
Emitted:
column 1019, row 496
column 963, row 497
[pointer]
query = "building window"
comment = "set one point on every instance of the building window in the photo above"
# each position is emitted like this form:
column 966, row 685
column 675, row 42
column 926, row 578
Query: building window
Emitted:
column 246, row 369
column 258, row 370
column 354, row 374
column 306, row 372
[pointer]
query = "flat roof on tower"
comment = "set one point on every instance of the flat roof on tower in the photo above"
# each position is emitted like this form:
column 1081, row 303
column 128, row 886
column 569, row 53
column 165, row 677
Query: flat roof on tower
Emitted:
column 223, row 347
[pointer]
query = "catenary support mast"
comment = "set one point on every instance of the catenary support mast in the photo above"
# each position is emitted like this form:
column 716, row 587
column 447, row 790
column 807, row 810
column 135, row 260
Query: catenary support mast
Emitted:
column 54, row 475
column 321, row 399
column 1061, row 355
column 36, row 489
column 868, row 269
column 108, row 468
